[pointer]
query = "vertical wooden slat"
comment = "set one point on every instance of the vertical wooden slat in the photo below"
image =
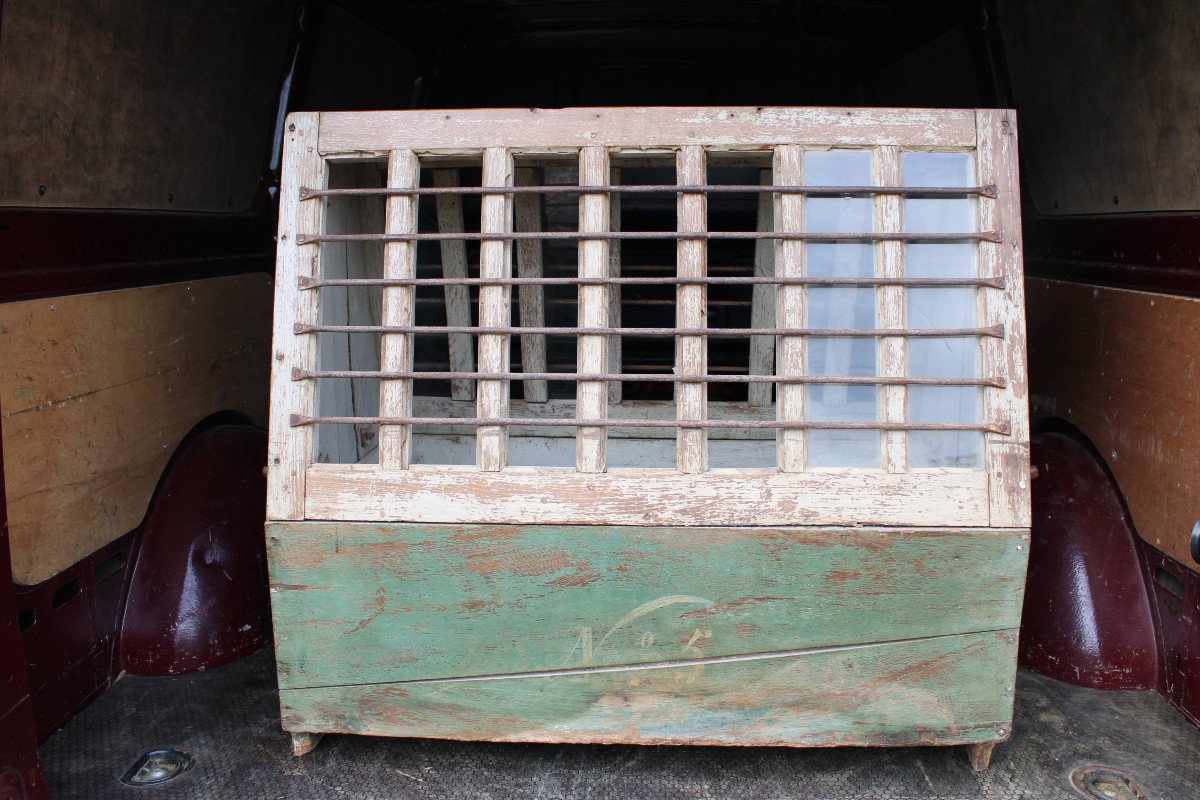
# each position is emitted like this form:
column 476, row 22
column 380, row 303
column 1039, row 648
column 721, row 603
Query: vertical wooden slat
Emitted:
column 762, row 303
column 396, row 349
column 495, row 310
column 458, row 298
column 1006, row 458
column 890, row 309
column 691, row 311
column 291, row 448
column 614, row 297
column 591, row 446
column 531, row 299
column 789, row 308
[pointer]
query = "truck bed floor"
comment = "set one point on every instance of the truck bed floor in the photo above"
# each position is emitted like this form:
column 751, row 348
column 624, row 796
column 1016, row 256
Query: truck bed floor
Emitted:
column 227, row 719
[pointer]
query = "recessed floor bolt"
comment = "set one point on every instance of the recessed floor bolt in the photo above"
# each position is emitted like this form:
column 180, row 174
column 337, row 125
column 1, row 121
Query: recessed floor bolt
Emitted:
column 157, row 767
column 1106, row 783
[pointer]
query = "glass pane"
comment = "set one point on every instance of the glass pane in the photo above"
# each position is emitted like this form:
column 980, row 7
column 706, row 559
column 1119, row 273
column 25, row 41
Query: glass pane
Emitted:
column 941, row 260
column 839, row 214
column 951, row 307
column 841, row 307
column 939, row 215
column 840, row 259
column 937, row 169
column 945, row 448
column 837, row 168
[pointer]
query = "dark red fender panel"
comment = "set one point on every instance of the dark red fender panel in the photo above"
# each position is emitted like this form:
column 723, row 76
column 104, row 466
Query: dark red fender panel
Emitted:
column 1087, row 617
column 198, row 595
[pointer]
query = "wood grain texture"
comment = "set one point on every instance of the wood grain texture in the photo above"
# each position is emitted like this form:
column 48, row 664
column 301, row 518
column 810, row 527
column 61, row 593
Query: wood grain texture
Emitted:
column 1006, row 458
column 762, row 302
column 1124, row 372
column 529, row 495
column 567, row 129
column 790, row 305
column 290, row 449
column 456, row 596
column 97, row 390
column 920, row 692
column 531, row 300
column 457, row 298
column 890, row 310
column 495, row 310
column 691, row 310
column 396, row 349
column 591, row 443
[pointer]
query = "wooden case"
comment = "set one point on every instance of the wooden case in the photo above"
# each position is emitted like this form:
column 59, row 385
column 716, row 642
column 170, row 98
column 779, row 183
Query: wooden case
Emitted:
column 762, row 584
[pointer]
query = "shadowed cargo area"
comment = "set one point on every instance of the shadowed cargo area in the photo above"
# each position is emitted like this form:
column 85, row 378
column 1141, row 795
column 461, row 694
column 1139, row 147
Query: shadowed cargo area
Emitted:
column 227, row 720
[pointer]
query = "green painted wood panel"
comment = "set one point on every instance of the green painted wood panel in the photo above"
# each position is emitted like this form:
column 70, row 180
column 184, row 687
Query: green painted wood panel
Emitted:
column 362, row 603
column 943, row 690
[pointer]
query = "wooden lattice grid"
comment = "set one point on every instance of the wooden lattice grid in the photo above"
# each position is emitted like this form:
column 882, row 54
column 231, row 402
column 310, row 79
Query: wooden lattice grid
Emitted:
column 690, row 494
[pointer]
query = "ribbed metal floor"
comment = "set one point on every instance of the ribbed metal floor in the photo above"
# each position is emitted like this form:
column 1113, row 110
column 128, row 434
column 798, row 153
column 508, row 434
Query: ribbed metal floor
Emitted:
column 228, row 720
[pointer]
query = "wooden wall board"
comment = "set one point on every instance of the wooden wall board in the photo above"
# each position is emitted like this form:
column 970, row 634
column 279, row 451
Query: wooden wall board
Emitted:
column 1128, row 140
column 139, row 103
column 942, row 690
column 96, row 390
column 373, row 603
column 1121, row 366
column 568, row 129
column 532, row 495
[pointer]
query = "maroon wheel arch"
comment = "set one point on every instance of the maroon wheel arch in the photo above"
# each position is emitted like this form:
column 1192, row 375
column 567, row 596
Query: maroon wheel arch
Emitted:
column 1087, row 618
column 198, row 593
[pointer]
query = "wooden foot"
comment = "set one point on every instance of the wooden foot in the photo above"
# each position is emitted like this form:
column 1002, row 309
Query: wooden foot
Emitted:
column 980, row 755
column 305, row 743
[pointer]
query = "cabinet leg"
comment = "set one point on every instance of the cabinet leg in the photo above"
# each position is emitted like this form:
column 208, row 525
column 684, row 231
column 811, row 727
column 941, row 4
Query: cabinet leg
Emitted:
column 305, row 743
column 981, row 755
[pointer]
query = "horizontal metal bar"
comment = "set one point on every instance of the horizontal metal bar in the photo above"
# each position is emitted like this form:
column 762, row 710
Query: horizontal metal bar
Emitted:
column 315, row 283
column 936, row 191
column 1002, row 428
column 646, row 377
column 995, row 331
column 575, row 236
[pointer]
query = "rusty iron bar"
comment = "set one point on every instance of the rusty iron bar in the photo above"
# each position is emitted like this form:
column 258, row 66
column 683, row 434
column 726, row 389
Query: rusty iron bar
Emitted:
column 994, row 331
column 757, row 188
column 644, row 377
column 1001, row 428
column 577, row 236
column 317, row 283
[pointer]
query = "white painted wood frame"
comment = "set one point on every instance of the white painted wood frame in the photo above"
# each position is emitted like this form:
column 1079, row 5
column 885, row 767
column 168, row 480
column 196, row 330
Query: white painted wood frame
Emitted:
column 490, row 491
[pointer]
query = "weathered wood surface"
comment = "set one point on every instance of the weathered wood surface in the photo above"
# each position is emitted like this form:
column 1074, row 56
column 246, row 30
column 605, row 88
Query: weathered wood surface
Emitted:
column 790, row 311
column 890, row 310
column 945, row 690
column 1006, row 458
column 495, row 310
column 98, row 389
column 691, row 311
column 457, row 298
column 531, row 495
column 396, row 349
column 591, row 442
column 371, row 603
column 531, row 299
column 568, row 129
column 290, row 449
column 1124, row 371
